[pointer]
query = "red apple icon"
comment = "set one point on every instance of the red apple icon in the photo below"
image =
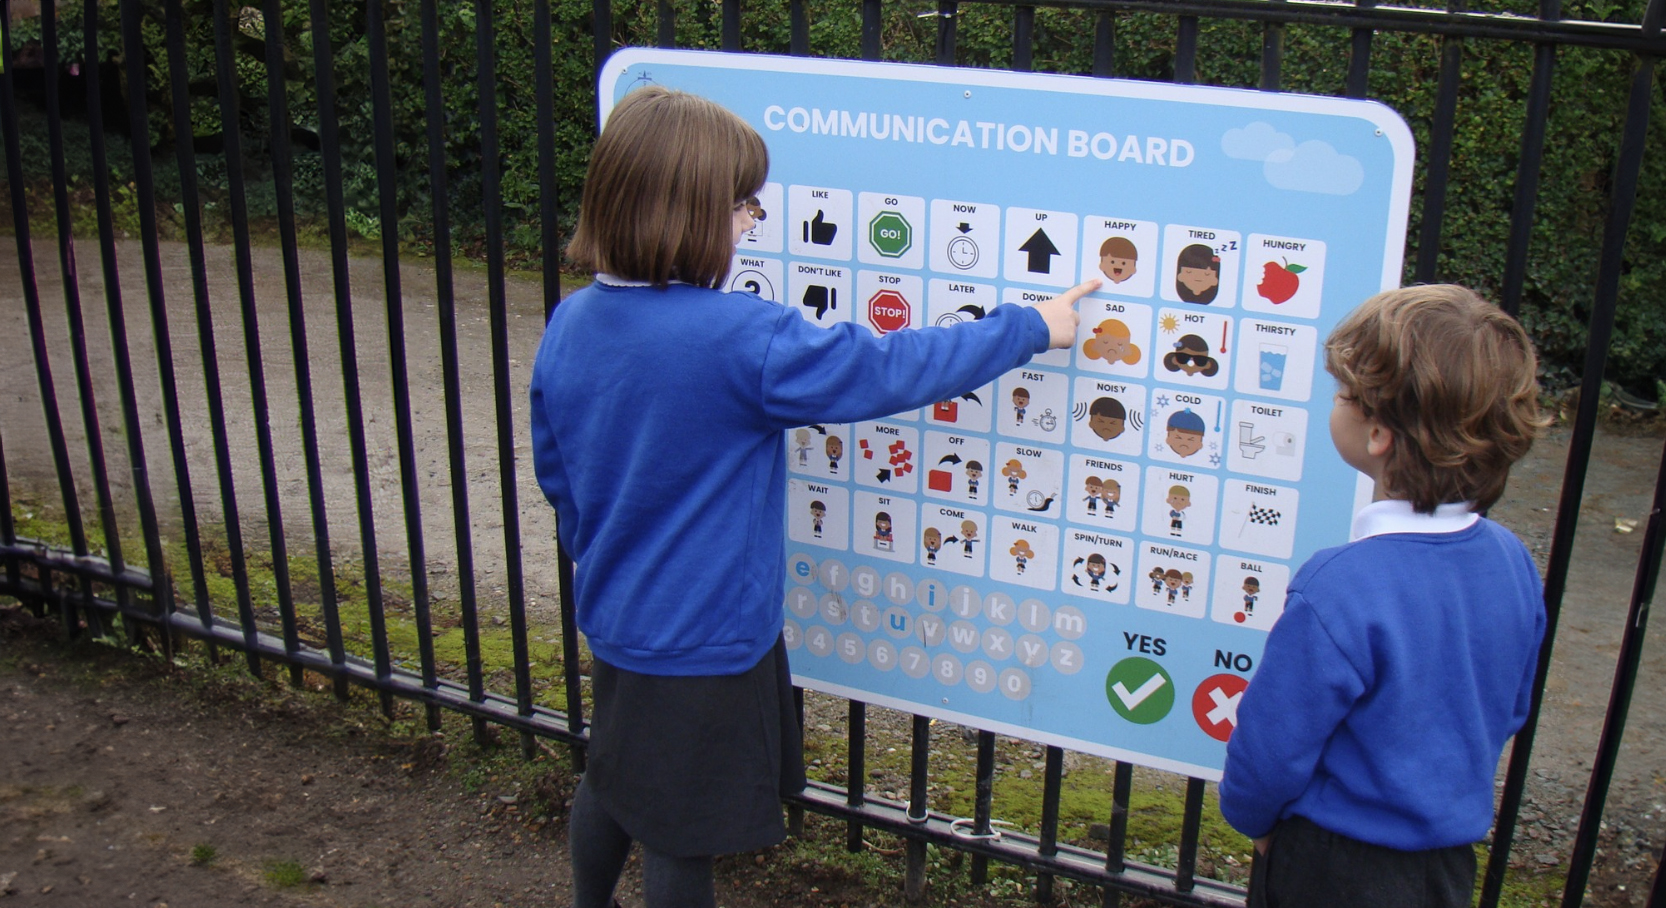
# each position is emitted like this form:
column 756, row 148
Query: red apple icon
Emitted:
column 1279, row 282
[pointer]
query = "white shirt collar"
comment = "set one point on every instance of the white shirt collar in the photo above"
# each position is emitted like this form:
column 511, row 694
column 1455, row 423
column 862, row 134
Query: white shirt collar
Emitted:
column 611, row 281
column 1382, row 517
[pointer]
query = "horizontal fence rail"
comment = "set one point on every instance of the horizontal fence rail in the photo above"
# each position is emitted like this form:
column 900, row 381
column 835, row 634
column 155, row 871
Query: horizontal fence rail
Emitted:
column 295, row 499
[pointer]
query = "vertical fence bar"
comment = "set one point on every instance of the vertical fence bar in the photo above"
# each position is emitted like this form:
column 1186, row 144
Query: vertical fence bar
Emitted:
column 1052, row 787
column 856, row 769
column 283, row 185
column 1627, row 168
column 946, row 12
column 1527, row 172
column 983, row 802
column 1619, row 702
column 1116, row 839
column 139, row 133
column 569, row 650
column 601, row 38
column 491, row 189
column 1023, row 38
column 1185, row 50
column 1185, row 871
column 300, row 349
column 185, row 162
column 1272, row 54
column 1104, row 42
column 666, row 35
column 329, row 141
column 914, row 872
column 549, row 231
column 116, row 314
column 1359, row 57
column 37, row 326
column 78, row 332
column 382, row 100
column 731, row 25
column 231, row 130
column 439, row 190
column 1438, row 169
column 798, row 19
column 252, row 345
column 872, row 24
column 795, row 812
column 387, row 186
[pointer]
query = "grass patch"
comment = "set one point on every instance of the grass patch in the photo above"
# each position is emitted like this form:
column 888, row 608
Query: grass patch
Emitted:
column 284, row 874
column 203, row 854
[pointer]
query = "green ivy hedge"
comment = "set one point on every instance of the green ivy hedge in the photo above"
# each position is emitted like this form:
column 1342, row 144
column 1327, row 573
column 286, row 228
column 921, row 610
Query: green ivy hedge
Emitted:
column 1589, row 98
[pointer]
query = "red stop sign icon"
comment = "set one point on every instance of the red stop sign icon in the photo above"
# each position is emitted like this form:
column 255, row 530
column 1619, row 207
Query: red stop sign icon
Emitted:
column 888, row 311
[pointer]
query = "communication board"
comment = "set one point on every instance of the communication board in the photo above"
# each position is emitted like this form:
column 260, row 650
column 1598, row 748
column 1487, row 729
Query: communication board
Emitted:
column 1090, row 550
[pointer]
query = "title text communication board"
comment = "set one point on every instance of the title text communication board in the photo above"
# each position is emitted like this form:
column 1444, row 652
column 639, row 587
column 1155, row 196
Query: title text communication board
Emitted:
column 1088, row 551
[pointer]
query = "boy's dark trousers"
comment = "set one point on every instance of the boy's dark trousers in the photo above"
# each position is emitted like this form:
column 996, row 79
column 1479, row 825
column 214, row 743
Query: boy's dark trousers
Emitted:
column 1307, row 866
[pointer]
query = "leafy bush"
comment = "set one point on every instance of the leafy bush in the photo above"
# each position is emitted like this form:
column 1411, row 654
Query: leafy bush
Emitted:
column 1590, row 92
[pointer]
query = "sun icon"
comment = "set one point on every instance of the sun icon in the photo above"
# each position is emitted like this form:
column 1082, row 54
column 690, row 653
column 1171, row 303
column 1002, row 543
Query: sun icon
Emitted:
column 1169, row 324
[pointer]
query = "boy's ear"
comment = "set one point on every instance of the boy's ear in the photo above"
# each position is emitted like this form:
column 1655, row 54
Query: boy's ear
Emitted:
column 1380, row 441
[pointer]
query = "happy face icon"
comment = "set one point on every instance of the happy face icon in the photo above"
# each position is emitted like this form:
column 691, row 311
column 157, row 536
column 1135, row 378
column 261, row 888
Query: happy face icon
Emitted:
column 1118, row 258
column 835, row 451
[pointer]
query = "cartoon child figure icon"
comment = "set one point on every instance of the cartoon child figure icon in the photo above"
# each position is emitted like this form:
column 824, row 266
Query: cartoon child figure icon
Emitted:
column 1198, row 274
column 1096, row 570
column 932, row 540
column 1180, row 498
column 1113, row 343
column 1252, row 592
column 974, row 473
column 968, row 536
column 1111, row 494
column 1191, row 356
column 1094, row 487
column 818, row 513
column 1186, row 585
column 882, row 539
column 1118, row 258
column 801, row 446
column 1014, row 472
column 1020, row 403
column 1021, row 554
column 1172, row 580
column 1185, row 432
column 1107, row 417
column 835, row 451
column 1156, row 577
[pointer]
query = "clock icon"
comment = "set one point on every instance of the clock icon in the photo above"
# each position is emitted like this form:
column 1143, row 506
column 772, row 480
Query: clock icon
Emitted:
column 963, row 253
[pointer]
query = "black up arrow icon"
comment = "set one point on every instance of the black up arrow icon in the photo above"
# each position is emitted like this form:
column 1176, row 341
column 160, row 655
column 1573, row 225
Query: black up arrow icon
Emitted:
column 1041, row 251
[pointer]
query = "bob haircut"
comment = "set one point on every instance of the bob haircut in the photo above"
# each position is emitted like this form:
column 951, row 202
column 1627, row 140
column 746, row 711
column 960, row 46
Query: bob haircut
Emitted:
column 662, row 186
column 1452, row 378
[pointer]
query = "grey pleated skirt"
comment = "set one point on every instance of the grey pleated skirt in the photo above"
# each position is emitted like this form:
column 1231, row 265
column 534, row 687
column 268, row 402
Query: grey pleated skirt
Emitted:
column 696, row 765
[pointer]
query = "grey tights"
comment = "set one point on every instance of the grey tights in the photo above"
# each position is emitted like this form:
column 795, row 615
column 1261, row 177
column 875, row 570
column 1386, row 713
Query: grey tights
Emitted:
column 599, row 848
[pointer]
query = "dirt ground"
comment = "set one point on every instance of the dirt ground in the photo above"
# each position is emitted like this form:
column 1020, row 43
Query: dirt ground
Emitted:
column 109, row 780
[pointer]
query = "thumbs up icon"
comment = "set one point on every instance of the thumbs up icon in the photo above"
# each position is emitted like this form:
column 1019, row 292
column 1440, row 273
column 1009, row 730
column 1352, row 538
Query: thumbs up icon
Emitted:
column 818, row 231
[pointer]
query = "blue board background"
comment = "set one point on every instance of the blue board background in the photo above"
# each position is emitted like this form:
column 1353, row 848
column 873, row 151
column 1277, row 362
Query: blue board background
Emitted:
column 1357, row 210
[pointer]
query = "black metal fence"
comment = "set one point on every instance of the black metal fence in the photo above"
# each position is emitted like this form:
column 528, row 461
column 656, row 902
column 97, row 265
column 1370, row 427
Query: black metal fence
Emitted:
column 218, row 400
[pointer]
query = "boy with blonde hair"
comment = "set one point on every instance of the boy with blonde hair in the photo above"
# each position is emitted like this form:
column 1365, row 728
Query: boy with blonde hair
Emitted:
column 1363, row 760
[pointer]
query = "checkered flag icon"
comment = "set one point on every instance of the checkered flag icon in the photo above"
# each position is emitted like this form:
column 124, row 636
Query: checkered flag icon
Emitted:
column 1263, row 516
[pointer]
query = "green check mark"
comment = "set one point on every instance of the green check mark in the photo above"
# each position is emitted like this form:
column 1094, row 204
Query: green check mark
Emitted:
column 1139, row 690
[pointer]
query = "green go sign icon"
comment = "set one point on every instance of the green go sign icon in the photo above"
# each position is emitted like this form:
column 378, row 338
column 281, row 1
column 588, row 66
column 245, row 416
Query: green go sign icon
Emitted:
column 891, row 234
column 1139, row 690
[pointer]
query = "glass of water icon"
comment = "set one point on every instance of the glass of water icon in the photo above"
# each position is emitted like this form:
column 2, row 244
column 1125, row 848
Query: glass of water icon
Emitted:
column 1272, row 366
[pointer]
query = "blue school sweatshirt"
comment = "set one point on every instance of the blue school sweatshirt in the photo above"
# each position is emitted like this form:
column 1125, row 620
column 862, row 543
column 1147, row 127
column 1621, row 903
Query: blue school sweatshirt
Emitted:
column 1402, row 663
column 658, row 433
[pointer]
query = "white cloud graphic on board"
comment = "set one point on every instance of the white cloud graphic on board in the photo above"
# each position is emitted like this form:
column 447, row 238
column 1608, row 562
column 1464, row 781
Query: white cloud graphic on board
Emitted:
column 1311, row 166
